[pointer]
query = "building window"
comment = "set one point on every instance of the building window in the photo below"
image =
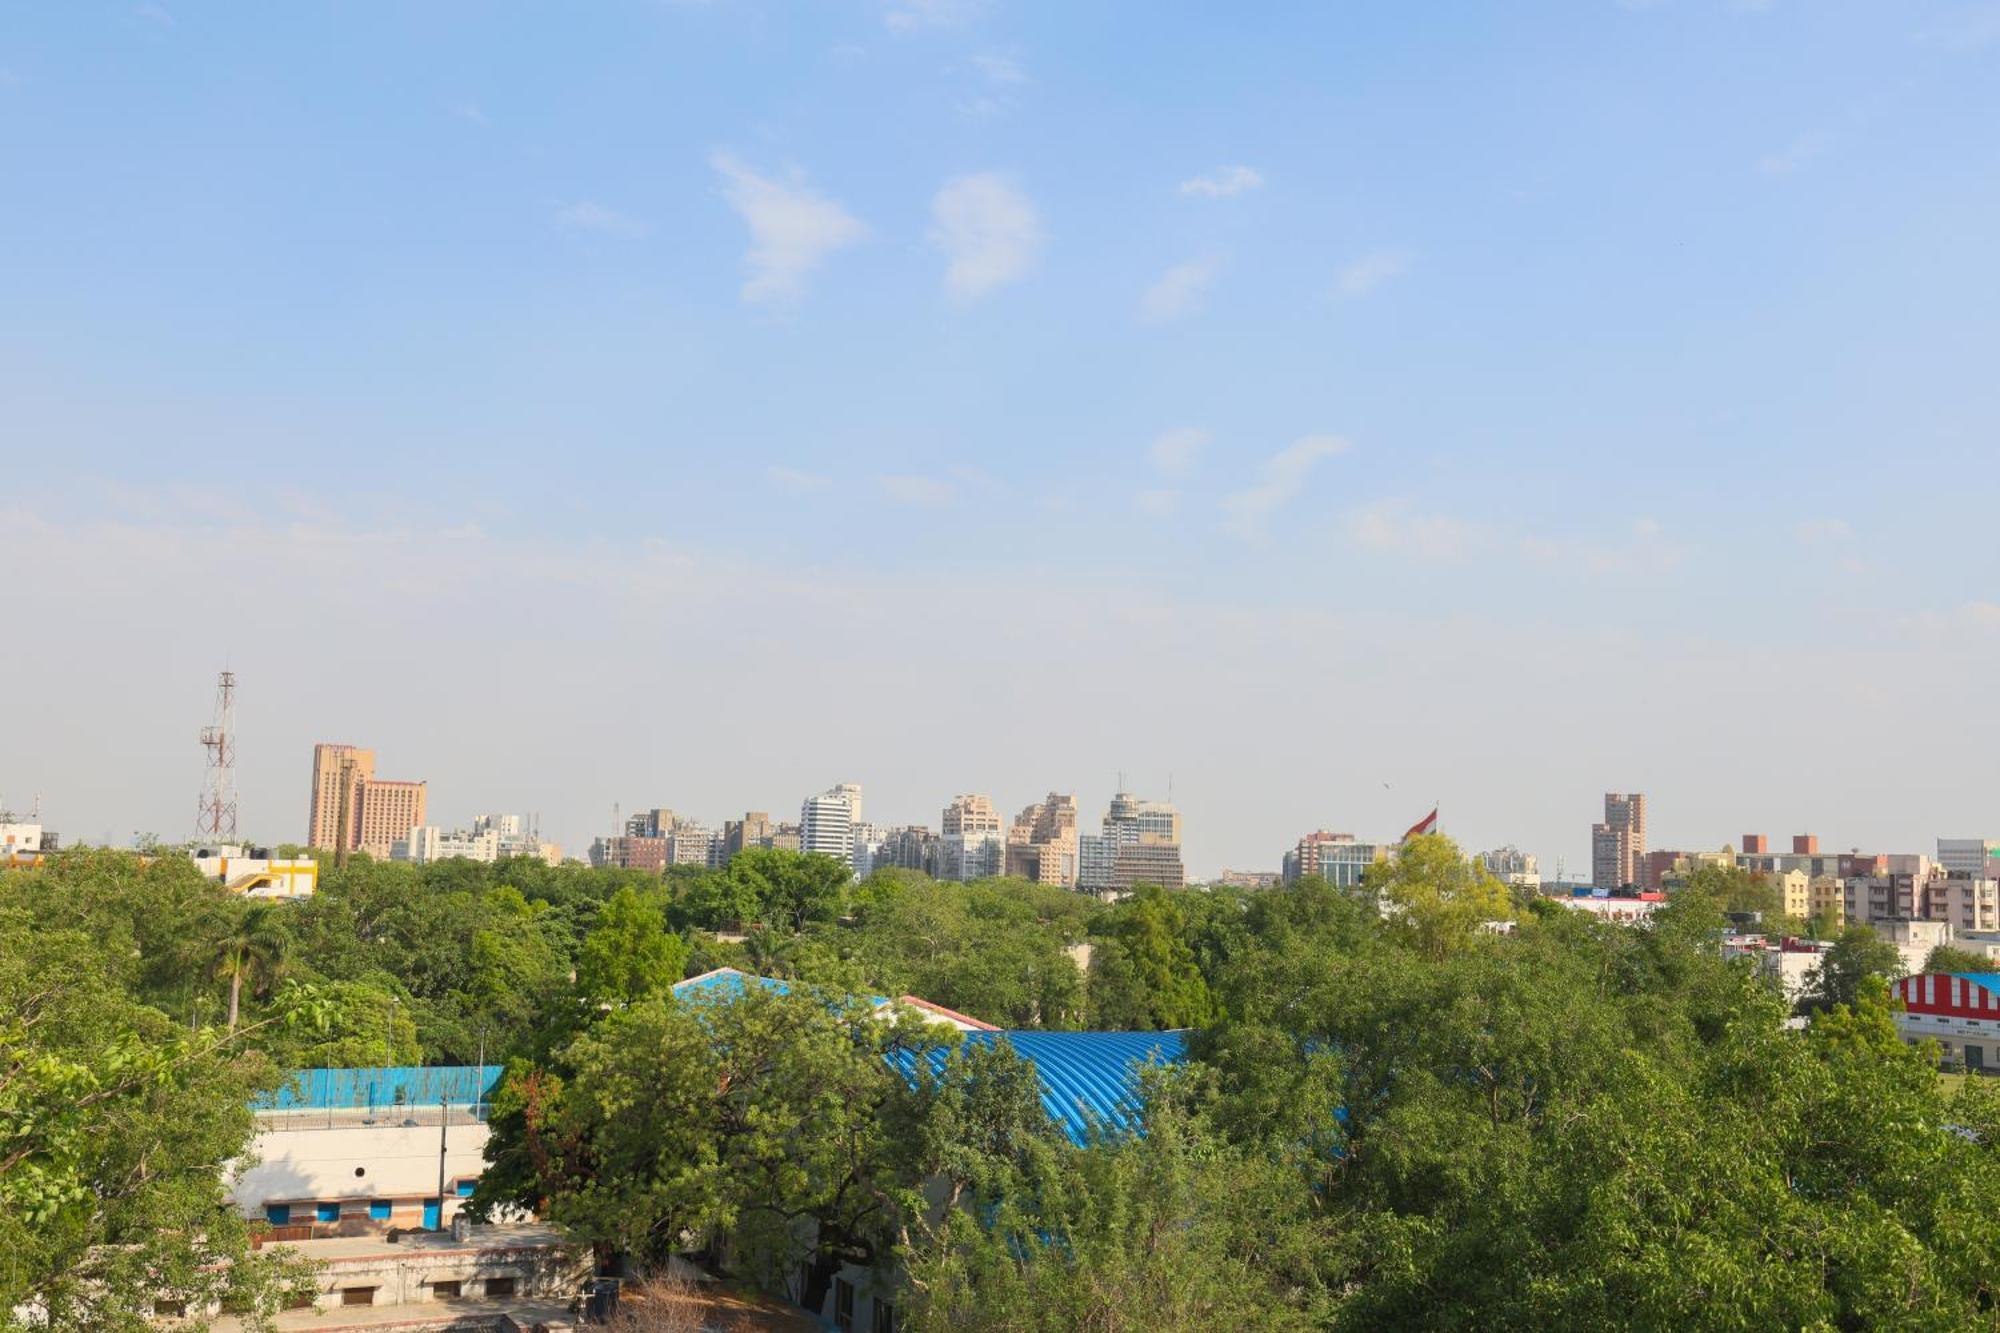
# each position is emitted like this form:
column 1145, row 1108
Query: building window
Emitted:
column 379, row 1209
column 884, row 1317
column 465, row 1188
column 499, row 1286
column 445, row 1291
column 327, row 1212
column 1975, row 1056
column 357, row 1295
column 277, row 1214
column 843, row 1305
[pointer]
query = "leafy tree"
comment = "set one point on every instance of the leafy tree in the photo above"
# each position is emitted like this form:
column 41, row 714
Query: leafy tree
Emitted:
column 255, row 950
column 116, row 1127
column 1171, row 1229
column 769, row 1126
column 629, row 954
column 1435, row 897
column 1949, row 958
column 1143, row 974
column 790, row 889
column 1858, row 953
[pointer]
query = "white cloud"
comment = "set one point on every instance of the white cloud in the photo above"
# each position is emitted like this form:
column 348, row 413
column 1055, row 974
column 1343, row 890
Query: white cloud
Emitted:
column 793, row 480
column 1178, row 290
column 1370, row 271
column 583, row 215
column 1971, row 28
column 1647, row 550
column 1174, row 451
column 468, row 112
column 998, row 70
column 1280, row 478
column 988, row 230
column 792, row 228
column 1821, row 531
column 1160, row 504
column 1801, row 151
column 1224, row 182
column 906, row 488
column 1393, row 525
column 910, row 15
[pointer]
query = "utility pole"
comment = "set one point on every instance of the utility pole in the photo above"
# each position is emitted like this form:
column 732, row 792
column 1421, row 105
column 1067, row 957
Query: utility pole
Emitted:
column 444, row 1126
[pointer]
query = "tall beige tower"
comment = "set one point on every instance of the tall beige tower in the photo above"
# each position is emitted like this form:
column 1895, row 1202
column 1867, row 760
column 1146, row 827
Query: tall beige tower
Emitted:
column 338, row 770
column 353, row 810
column 1618, row 845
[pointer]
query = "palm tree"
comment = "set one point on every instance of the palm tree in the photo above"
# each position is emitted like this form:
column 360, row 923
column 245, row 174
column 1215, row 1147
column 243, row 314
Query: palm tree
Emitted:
column 255, row 948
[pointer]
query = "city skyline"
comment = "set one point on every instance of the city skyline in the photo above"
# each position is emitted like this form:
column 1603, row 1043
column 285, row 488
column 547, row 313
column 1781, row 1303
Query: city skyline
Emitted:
column 1292, row 404
column 623, row 817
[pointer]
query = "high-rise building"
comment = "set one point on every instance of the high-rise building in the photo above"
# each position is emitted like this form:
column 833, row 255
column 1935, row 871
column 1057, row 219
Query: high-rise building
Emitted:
column 970, row 856
column 337, row 769
column 912, row 848
column 656, row 823
column 1140, row 844
column 1969, row 856
column 826, row 823
column 970, row 814
column 1618, row 845
column 1042, row 843
column 753, row 830
column 347, row 798
column 1338, row 858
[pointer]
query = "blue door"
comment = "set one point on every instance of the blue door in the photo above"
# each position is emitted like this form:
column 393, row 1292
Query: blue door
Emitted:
column 433, row 1214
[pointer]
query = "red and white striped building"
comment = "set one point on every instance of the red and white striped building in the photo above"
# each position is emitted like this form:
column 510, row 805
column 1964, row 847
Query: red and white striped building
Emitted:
column 1958, row 1010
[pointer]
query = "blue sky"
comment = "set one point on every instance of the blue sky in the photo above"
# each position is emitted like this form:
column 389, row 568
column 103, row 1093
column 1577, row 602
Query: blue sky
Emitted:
column 1331, row 406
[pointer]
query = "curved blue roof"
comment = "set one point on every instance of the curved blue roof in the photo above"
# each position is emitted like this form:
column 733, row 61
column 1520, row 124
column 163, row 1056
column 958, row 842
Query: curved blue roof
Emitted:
column 1089, row 1080
column 1990, row 980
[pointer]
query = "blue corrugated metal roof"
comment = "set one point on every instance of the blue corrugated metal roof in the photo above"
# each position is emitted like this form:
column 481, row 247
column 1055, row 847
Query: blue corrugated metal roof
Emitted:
column 1089, row 1080
column 1990, row 980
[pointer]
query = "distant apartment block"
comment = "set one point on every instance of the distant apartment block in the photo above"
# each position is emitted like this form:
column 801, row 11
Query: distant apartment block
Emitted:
column 626, row 852
column 491, row 838
column 349, row 803
column 1140, row 844
column 970, row 814
column 1338, row 858
column 1618, row 845
column 1042, row 842
column 912, row 847
column 1969, row 856
column 1513, row 867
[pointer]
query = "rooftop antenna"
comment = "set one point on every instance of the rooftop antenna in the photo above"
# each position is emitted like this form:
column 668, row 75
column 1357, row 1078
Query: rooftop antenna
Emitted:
column 215, row 816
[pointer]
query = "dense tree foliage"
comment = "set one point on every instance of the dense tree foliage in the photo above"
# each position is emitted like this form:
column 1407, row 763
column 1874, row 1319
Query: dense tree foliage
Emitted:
column 116, row 1120
column 1417, row 1104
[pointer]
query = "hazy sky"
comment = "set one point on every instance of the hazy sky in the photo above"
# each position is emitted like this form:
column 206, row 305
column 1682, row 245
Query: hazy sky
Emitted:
column 1332, row 407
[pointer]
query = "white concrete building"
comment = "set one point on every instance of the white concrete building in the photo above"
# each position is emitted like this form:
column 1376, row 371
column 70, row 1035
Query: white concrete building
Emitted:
column 826, row 822
column 1514, row 867
column 255, row 873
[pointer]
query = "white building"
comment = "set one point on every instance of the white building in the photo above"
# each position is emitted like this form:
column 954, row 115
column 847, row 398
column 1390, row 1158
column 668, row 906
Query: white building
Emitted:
column 1973, row 857
column 492, row 837
column 19, row 840
column 1510, row 865
column 255, row 873
column 826, row 822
